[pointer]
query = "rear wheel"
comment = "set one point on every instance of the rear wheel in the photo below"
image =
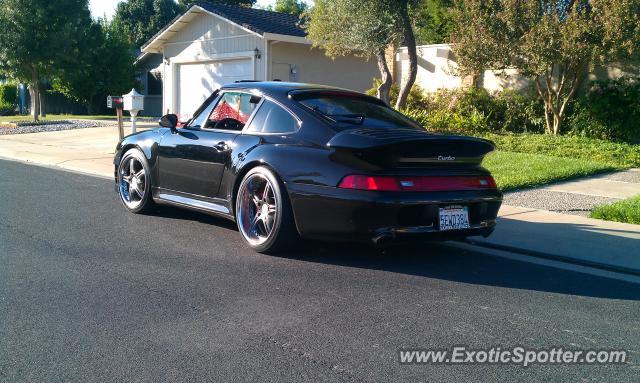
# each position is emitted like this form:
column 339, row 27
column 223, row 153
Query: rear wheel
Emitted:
column 263, row 212
column 134, row 182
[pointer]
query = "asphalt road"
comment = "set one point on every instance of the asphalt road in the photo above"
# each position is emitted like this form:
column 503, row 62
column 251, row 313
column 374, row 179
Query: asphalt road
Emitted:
column 89, row 292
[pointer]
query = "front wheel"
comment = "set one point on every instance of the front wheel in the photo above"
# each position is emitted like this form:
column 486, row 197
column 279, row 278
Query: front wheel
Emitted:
column 134, row 182
column 263, row 212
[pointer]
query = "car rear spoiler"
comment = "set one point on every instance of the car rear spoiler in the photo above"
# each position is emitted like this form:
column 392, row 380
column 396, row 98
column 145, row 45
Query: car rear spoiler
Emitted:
column 412, row 146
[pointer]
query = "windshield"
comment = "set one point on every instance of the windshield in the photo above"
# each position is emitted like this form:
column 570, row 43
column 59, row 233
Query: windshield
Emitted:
column 348, row 110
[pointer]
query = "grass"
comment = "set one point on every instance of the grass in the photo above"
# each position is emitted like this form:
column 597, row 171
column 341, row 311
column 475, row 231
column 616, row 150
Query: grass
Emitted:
column 528, row 160
column 521, row 170
column 627, row 210
column 55, row 117
column 615, row 154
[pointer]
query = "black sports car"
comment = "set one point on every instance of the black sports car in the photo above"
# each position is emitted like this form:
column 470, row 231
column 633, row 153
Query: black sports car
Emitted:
column 288, row 160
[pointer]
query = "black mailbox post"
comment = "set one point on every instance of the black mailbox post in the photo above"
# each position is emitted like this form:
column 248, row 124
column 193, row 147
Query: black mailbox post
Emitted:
column 117, row 103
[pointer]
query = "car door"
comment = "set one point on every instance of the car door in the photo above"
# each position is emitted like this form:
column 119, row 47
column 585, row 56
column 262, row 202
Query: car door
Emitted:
column 193, row 159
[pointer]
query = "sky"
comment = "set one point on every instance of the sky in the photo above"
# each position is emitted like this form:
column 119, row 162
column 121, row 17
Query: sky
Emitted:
column 99, row 8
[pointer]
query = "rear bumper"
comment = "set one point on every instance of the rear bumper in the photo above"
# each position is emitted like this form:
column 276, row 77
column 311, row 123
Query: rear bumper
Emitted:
column 334, row 214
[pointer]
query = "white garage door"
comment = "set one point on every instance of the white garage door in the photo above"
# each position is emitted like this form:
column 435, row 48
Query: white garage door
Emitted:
column 196, row 82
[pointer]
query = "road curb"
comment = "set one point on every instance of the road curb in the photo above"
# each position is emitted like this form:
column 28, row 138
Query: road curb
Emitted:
column 553, row 257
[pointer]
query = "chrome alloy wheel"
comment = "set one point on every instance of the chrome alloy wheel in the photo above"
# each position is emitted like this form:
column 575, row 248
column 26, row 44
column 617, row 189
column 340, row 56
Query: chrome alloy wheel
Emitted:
column 132, row 181
column 257, row 209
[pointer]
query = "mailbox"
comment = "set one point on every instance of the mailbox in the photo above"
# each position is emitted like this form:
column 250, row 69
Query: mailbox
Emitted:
column 115, row 102
column 133, row 102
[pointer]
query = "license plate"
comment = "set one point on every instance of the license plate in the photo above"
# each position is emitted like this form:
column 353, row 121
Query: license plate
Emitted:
column 454, row 218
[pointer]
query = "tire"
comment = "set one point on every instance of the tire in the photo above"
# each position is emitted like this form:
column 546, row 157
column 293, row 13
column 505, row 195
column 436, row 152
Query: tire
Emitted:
column 135, row 192
column 263, row 212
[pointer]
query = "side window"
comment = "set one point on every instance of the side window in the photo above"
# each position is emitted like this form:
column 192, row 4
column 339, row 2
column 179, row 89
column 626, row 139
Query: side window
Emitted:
column 272, row 118
column 234, row 108
column 201, row 118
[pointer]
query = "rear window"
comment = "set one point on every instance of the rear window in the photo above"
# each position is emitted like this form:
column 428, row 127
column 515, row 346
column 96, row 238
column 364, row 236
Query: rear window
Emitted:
column 346, row 110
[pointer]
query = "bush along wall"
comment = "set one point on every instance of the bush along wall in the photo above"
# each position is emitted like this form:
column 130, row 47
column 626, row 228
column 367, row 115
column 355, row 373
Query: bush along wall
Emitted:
column 8, row 99
column 608, row 110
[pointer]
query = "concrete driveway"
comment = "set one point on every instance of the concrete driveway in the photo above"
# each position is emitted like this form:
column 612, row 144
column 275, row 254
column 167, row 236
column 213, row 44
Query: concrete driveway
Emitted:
column 87, row 150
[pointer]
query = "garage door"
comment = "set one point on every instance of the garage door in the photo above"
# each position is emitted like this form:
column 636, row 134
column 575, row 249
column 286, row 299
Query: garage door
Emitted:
column 196, row 82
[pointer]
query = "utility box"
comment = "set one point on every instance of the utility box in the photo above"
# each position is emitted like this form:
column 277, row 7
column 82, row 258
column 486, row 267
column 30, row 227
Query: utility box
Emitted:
column 115, row 102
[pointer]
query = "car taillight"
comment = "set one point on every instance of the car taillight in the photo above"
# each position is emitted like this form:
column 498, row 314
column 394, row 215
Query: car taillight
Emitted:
column 423, row 184
column 370, row 183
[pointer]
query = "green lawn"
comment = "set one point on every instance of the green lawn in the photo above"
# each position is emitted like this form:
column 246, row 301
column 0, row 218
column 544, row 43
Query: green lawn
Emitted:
column 615, row 154
column 627, row 211
column 54, row 117
column 526, row 160
column 520, row 170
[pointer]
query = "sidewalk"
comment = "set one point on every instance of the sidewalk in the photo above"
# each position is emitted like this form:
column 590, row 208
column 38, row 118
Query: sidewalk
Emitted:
column 586, row 241
column 526, row 230
column 579, row 197
column 88, row 150
column 552, row 222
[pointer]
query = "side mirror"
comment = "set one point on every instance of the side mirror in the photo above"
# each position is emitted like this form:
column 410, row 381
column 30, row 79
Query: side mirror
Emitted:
column 169, row 121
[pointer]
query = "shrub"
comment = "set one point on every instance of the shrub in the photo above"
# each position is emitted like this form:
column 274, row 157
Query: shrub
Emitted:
column 622, row 211
column 473, row 110
column 608, row 110
column 8, row 93
column 8, row 99
column 440, row 120
column 417, row 98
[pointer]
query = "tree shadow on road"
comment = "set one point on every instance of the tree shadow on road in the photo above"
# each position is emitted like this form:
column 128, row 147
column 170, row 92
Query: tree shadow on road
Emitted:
column 448, row 262
column 440, row 261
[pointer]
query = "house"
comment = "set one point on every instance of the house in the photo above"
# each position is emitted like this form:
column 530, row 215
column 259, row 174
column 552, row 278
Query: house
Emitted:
column 213, row 44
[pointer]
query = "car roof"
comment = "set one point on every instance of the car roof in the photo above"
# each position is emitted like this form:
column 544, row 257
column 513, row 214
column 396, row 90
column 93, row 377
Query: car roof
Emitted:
column 280, row 88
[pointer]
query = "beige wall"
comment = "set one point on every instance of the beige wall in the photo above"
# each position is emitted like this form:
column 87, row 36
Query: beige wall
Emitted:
column 311, row 65
column 437, row 70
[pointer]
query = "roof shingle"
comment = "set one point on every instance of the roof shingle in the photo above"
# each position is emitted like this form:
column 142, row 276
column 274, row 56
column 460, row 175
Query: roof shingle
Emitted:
column 257, row 20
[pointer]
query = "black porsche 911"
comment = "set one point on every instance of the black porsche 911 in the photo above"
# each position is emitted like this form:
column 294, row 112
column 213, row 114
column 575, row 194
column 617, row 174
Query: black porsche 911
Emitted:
column 288, row 160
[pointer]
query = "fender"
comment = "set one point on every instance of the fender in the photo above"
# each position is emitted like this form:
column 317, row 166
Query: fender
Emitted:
column 147, row 141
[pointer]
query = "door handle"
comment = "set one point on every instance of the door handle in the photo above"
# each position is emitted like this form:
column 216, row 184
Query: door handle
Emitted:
column 221, row 146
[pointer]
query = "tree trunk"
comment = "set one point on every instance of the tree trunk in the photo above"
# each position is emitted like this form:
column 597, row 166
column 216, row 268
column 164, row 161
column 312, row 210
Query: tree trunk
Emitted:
column 410, row 41
column 385, row 75
column 34, row 92
column 43, row 112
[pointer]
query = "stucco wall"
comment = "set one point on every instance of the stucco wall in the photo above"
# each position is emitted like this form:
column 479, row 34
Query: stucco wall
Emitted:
column 311, row 65
column 437, row 70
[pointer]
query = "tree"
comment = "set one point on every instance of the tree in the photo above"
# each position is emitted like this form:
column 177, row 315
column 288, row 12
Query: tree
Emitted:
column 400, row 8
column 295, row 7
column 243, row 3
column 364, row 28
column 35, row 36
column 104, row 65
column 553, row 43
column 433, row 21
column 141, row 19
